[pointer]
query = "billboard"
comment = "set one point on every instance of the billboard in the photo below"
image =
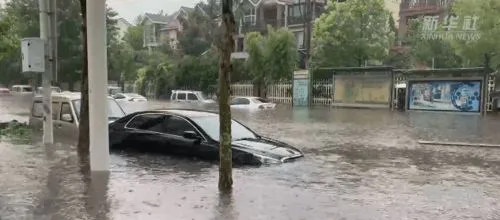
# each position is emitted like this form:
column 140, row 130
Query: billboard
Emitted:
column 362, row 90
column 458, row 96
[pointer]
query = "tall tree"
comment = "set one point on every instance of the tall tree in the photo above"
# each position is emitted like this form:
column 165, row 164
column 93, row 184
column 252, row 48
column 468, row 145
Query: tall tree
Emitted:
column 227, row 47
column 271, row 58
column 479, row 18
column 352, row 32
column 83, row 137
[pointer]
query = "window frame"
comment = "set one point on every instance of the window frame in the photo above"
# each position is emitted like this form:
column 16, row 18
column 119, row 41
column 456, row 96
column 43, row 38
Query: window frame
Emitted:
column 193, row 94
column 33, row 109
column 70, row 112
column 181, row 93
column 197, row 130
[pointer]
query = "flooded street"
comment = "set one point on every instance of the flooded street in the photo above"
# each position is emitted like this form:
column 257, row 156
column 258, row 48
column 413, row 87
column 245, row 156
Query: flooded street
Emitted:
column 358, row 164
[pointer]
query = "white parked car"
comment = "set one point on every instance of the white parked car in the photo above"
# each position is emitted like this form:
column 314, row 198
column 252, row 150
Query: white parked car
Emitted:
column 251, row 103
column 188, row 96
column 21, row 89
column 66, row 113
column 129, row 97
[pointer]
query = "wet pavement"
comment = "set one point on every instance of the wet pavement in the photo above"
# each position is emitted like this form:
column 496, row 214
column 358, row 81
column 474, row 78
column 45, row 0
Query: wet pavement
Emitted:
column 359, row 164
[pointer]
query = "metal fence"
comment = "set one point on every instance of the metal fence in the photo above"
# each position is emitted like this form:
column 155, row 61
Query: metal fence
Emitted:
column 282, row 92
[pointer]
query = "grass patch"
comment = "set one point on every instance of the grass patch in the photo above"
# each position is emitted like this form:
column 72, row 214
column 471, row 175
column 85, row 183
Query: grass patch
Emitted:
column 15, row 131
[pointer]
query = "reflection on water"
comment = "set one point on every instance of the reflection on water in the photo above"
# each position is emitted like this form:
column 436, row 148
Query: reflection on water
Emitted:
column 359, row 164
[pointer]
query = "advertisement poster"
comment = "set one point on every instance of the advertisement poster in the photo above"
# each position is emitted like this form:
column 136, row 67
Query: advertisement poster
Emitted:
column 300, row 92
column 460, row 96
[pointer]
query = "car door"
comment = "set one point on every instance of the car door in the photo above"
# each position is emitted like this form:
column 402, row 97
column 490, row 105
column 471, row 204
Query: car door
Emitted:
column 240, row 103
column 56, row 108
column 66, row 125
column 146, row 133
column 192, row 98
column 175, row 128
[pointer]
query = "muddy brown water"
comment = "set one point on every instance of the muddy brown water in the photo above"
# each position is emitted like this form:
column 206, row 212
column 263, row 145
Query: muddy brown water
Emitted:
column 359, row 164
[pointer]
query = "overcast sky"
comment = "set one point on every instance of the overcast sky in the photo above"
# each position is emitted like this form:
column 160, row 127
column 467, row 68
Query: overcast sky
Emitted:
column 130, row 9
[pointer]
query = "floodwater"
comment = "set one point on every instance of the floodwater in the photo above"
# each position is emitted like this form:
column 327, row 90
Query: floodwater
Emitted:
column 358, row 164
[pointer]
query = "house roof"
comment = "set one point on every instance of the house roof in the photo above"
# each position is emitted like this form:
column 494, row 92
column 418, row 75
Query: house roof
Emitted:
column 156, row 18
column 125, row 22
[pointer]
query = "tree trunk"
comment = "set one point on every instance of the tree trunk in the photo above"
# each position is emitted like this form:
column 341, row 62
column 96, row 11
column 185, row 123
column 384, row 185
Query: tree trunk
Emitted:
column 83, row 137
column 226, row 163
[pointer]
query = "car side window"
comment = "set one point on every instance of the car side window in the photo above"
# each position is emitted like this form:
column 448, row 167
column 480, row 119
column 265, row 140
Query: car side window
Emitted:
column 66, row 110
column 37, row 110
column 192, row 97
column 177, row 126
column 240, row 101
column 152, row 122
column 181, row 96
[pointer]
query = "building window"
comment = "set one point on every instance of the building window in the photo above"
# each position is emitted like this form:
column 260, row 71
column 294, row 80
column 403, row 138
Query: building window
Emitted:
column 413, row 3
column 299, row 37
column 251, row 17
column 149, row 34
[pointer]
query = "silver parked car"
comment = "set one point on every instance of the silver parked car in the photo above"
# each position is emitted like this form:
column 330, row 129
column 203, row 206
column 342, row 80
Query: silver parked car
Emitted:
column 66, row 113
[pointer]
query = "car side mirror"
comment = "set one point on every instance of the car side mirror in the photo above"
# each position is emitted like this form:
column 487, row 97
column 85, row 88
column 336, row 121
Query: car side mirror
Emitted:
column 191, row 135
column 67, row 118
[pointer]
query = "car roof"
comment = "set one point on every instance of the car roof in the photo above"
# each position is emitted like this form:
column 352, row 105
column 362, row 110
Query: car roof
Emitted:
column 185, row 91
column 64, row 96
column 189, row 113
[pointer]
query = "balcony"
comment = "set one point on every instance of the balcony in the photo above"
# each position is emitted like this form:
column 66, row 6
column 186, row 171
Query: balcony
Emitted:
column 424, row 6
column 261, row 25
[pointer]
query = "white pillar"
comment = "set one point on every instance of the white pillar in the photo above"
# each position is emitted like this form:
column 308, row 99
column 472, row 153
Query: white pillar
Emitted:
column 98, row 77
column 48, row 135
column 286, row 16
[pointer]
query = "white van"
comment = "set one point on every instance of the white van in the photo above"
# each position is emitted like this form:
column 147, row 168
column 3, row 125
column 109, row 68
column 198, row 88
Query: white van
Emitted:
column 189, row 96
column 21, row 89
column 66, row 113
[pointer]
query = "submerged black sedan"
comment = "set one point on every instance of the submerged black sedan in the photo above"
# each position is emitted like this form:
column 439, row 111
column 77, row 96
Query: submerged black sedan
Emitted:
column 195, row 133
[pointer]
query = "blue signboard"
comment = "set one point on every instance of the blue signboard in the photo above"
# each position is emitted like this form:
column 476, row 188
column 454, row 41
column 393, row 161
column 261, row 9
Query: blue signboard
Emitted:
column 301, row 92
column 460, row 96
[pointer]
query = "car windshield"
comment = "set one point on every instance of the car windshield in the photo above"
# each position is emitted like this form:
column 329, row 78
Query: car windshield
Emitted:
column 114, row 110
column 203, row 96
column 27, row 89
column 211, row 126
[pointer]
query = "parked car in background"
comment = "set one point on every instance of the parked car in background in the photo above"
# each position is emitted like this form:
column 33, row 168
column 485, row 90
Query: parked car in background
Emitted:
column 54, row 89
column 112, row 90
column 251, row 103
column 131, row 102
column 189, row 96
column 129, row 97
column 195, row 133
column 5, row 92
column 66, row 113
column 21, row 89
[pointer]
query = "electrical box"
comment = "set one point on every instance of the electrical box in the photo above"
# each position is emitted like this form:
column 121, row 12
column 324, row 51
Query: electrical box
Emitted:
column 33, row 55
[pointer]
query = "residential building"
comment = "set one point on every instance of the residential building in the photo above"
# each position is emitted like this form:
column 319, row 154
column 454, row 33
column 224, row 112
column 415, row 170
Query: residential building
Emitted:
column 161, row 29
column 123, row 26
column 417, row 9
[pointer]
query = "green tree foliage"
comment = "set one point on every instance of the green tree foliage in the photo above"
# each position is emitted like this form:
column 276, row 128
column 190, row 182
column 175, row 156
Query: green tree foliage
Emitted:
column 22, row 18
column 272, row 57
column 352, row 32
column 431, row 52
column 134, row 35
column 486, row 50
column 195, row 37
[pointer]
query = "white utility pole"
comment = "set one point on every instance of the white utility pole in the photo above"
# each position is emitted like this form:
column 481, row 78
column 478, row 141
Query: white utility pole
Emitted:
column 98, row 78
column 53, row 38
column 48, row 136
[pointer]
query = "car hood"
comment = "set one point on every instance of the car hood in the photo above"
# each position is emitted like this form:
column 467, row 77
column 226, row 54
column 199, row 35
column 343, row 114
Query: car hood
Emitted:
column 268, row 148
